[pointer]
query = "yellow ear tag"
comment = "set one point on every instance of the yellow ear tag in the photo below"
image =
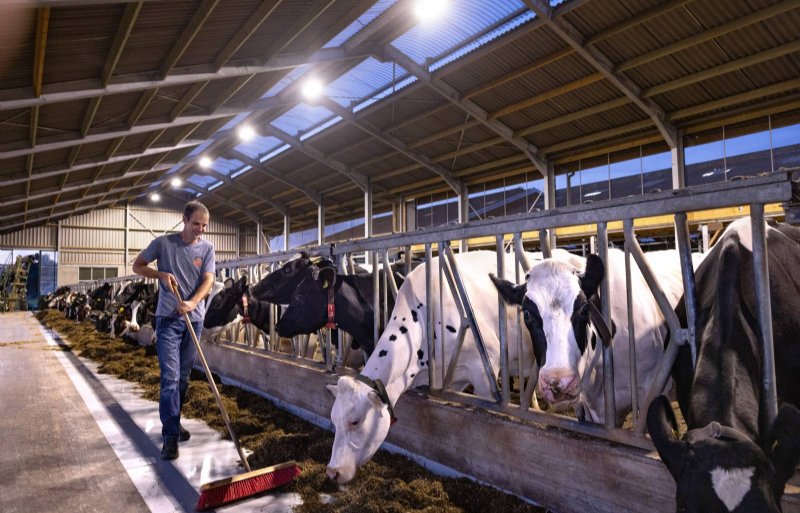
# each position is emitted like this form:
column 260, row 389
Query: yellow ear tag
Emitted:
column 121, row 309
column 325, row 284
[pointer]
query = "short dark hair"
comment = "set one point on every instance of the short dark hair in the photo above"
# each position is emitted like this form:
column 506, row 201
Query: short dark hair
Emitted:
column 192, row 207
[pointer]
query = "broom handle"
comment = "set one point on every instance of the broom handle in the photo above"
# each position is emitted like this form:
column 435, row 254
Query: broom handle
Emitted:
column 213, row 385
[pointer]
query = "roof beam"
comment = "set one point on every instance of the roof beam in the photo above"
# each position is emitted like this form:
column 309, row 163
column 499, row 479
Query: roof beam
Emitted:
column 277, row 205
column 87, row 184
column 308, row 17
column 394, row 143
column 42, row 24
column 359, row 179
column 252, row 24
column 123, row 33
column 106, row 136
column 191, row 30
column 114, row 160
column 313, row 195
column 249, row 213
column 572, row 36
column 82, row 90
column 473, row 109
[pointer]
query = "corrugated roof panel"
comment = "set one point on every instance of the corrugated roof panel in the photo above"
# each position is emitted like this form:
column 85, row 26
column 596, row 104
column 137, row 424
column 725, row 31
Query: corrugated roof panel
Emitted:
column 461, row 21
column 300, row 118
column 258, row 146
column 202, row 181
column 366, row 79
column 226, row 166
column 354, row 28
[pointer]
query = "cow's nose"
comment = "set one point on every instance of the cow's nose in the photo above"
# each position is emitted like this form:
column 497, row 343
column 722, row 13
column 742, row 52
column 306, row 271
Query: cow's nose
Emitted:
column 332, row 474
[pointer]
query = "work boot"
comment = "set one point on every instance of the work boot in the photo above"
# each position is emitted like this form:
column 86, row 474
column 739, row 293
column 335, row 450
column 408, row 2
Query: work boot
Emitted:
column 169, row 451
column 183, row 434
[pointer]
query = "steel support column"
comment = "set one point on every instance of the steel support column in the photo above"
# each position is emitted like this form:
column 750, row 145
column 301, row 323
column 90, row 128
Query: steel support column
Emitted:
column 321, row 224
column 678, row 164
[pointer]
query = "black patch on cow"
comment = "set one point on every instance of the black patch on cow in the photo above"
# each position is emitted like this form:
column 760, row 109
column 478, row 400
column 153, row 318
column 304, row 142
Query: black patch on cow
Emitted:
column 414, row 315
column 404, row 319
column 382, row 353
column 450, row 329
column 422, row 364
column 419, row 306
column 580, row 321
column 403, row 329
column 535, row 324
column 420, row 354
column 412, row 375
column 395, row 318
column 392, row 337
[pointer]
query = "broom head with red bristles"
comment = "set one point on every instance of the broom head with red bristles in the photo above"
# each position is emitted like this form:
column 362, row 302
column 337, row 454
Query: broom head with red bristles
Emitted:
column 244, row 485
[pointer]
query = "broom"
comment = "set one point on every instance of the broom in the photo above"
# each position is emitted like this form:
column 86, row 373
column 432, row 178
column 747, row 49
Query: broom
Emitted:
column 244, row 485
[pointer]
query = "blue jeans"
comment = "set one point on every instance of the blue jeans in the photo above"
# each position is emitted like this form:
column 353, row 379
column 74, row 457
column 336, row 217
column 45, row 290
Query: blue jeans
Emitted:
column 176, row 353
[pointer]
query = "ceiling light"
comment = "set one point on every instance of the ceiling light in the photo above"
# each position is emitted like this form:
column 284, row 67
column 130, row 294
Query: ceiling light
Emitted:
column 312, row 89
column 176, row 182
column 246, row 133
column 155, row 197
column 205, row 162
column 429, row 10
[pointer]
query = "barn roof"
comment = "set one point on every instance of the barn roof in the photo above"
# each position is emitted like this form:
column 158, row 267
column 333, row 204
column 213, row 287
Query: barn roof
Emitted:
column 103, row 101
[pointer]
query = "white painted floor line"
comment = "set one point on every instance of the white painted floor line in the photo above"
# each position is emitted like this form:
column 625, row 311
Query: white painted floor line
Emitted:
column 206, row 457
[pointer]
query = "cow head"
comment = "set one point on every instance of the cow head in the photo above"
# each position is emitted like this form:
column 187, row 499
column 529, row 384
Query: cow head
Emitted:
column 718, row 469
column 361, row 422
column 279, row 285
column 555, row 310
column 223, row 307
column 307, row 310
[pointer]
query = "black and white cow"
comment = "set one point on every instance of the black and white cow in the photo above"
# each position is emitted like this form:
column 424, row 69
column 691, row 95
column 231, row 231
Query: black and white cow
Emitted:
column 362, row 409
column 555, row 308
column 227, row 307
column 352, row 301
column 278, row 286
column 718, row 469
column 725, row 386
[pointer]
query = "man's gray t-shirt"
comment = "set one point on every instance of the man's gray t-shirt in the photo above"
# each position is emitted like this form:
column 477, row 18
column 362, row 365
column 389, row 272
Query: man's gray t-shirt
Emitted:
column 188, row 262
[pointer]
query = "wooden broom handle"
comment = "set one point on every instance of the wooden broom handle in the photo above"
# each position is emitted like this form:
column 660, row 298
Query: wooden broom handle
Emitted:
column 212, row 384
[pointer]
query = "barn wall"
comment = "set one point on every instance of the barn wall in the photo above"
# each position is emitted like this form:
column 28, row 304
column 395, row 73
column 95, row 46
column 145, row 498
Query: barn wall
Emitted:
column 97, row 239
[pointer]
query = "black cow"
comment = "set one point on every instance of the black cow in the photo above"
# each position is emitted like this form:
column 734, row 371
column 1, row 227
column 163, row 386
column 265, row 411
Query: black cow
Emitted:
column 100, row 297
column 725, row 386
column 278, row 286
column 718, row 469
column 352, row 299
column 228, row 304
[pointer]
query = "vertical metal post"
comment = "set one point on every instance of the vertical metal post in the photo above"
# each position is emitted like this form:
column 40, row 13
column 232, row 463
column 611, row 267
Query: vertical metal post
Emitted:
column 259, row 229
column 769, row 401
column 432, row 356
column 522, row 259
column 631, row 328
column 544, row 241
column 410, row 215
column 608, row 352
column 501, row 308
column 321, row 224
column 687, row 272
column 376, row 295
column 550, row 187
column 704, row 232
column 127, row 238
column 463, row 215
column 368, row 220
column 286, row 227
column 678, row 164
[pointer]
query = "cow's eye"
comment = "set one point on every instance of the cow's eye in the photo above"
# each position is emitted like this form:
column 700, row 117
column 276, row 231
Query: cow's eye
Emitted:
column 526, row 315
column 354, row 423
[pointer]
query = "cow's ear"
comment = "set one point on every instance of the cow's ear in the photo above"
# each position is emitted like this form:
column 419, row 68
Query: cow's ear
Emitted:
column 592, row 276
column 374, row 399
column 783, row 445
column 332, row 389
column 327, row 276
column 513, row 294
column 662, row 425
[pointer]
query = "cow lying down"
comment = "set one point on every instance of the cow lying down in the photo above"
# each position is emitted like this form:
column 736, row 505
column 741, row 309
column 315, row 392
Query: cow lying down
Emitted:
column 362, row 409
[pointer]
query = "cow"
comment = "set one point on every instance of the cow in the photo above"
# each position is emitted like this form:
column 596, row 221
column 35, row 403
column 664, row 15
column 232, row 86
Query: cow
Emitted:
column 277, row 287
column 555, row 304
column 719, row 469
column 54, row 299
column 724, row 387
column 352, row 300
column 227, row 307
column 363, row 406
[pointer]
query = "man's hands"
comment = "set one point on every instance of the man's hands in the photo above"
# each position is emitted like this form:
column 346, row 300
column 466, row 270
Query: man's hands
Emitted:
column 168, row 280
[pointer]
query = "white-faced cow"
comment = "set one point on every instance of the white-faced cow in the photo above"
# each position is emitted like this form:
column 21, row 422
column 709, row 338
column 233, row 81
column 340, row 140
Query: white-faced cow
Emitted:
column 555, row 308
column 725, row 386
column 234, row 303
column 362, row 409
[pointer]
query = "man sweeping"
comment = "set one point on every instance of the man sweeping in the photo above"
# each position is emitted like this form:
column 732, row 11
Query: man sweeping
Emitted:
column 185, row 261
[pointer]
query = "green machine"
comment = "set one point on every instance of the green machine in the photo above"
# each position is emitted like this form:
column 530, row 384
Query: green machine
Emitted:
column 13, row 285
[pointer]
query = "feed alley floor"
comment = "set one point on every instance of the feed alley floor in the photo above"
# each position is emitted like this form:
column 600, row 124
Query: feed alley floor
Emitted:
column 76, row 440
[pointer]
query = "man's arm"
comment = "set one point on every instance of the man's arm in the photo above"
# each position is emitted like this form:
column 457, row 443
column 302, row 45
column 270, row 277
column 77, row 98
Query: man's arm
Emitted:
column 202, row 291
column 141, row 267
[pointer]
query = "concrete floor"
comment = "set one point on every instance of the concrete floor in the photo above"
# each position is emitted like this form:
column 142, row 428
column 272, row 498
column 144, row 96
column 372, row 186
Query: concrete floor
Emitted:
column 79, row 441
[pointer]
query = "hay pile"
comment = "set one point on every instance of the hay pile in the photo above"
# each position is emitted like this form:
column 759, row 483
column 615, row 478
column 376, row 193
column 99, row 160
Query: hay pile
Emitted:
column 387, row 484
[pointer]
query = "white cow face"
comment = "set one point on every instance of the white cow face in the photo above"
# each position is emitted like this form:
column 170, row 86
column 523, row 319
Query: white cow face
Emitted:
column 361, row 422
column 556, row 312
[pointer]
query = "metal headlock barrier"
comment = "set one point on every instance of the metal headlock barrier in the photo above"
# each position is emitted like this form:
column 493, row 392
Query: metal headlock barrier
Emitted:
column 507, row 231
